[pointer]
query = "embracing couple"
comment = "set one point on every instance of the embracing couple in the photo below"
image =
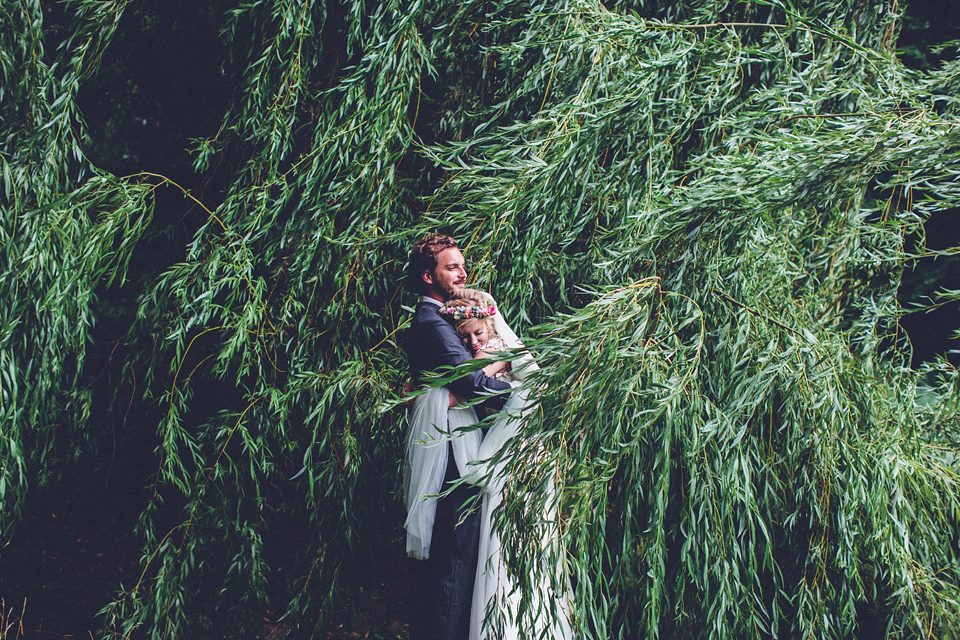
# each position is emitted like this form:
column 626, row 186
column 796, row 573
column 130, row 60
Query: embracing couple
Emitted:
column 451, row 487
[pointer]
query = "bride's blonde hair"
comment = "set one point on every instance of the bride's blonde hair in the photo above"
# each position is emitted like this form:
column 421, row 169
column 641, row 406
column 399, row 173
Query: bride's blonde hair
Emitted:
column 472, row 298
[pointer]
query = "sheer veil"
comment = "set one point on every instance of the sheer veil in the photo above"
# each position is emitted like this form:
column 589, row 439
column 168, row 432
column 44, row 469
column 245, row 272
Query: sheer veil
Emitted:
column 432, row 425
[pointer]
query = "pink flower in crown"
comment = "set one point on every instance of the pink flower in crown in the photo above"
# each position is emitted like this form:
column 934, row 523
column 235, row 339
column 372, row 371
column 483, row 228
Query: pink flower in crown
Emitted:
column 463, row 313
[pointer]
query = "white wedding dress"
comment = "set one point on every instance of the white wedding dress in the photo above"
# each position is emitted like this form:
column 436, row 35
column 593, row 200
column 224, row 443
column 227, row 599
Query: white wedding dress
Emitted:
column 495, row 609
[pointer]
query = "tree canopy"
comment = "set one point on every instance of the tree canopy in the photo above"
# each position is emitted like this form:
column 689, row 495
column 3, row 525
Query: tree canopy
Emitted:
column 698, row 214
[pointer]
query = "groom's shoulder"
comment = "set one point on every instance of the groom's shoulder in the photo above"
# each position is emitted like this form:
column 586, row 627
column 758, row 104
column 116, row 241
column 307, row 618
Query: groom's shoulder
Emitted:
column 426, row 330
column 429, row 327
column 426, row 314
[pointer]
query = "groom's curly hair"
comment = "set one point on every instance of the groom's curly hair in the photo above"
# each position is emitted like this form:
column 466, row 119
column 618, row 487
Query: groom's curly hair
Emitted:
column 423, row 258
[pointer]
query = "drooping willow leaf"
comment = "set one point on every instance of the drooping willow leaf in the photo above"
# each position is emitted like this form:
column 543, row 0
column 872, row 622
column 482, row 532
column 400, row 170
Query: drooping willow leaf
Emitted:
column 697, row 213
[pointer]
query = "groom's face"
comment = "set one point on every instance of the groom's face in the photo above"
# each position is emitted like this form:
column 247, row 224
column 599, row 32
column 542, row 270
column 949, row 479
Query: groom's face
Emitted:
column 450, row 273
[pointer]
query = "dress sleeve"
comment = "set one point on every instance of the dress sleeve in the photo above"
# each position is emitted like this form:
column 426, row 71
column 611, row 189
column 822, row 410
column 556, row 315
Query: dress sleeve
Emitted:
column 496, row 344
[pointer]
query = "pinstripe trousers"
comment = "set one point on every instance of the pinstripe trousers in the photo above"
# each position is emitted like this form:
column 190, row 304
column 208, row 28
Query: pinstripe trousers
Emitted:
column 446, row 579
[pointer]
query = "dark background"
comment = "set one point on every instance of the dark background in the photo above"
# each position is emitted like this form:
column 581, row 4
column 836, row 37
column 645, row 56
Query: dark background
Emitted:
column 161, row 86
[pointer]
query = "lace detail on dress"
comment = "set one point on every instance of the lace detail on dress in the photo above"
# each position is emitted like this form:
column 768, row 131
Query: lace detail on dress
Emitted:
column 499, row 344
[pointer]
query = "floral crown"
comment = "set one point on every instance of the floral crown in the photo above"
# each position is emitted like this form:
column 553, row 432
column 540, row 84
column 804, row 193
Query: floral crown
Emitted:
column 462, row 313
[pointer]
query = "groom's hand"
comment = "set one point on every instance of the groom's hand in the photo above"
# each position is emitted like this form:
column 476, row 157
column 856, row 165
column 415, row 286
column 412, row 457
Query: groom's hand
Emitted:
column 407, row 390
column 408, row 404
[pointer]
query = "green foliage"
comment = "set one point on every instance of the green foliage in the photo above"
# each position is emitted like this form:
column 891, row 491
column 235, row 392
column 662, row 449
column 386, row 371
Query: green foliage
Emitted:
column 703, row 209
column 64, row 229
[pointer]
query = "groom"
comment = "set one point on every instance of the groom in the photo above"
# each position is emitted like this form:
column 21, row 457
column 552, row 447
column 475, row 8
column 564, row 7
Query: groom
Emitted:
column 435, row 269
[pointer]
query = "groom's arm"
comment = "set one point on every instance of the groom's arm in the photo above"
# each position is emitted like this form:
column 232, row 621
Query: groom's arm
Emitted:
column 439, row 345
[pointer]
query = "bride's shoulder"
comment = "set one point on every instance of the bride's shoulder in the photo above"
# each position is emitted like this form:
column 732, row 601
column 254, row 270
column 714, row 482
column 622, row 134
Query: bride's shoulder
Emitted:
column 496, row 344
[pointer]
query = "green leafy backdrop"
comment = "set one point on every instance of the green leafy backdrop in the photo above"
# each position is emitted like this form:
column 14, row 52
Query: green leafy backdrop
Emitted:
column 697, row 213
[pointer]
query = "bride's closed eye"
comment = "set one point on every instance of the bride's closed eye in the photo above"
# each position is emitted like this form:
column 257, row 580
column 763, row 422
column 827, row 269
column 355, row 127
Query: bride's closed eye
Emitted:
column 475, row 335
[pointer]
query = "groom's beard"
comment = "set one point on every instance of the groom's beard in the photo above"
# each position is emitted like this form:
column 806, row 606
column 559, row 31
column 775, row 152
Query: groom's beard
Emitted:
column 451, row 290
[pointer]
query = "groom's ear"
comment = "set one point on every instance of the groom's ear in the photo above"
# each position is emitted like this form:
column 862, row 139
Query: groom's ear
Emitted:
column 427, row 276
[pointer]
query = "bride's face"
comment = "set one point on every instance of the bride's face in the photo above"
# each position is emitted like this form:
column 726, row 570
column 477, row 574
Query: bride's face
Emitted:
column 475, row 335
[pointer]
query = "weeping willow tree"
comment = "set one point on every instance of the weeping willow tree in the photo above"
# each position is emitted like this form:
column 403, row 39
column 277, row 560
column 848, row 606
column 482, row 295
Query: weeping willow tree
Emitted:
column 698, row 214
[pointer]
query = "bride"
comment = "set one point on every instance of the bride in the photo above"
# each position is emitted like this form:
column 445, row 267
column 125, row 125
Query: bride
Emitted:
column 496, row 610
